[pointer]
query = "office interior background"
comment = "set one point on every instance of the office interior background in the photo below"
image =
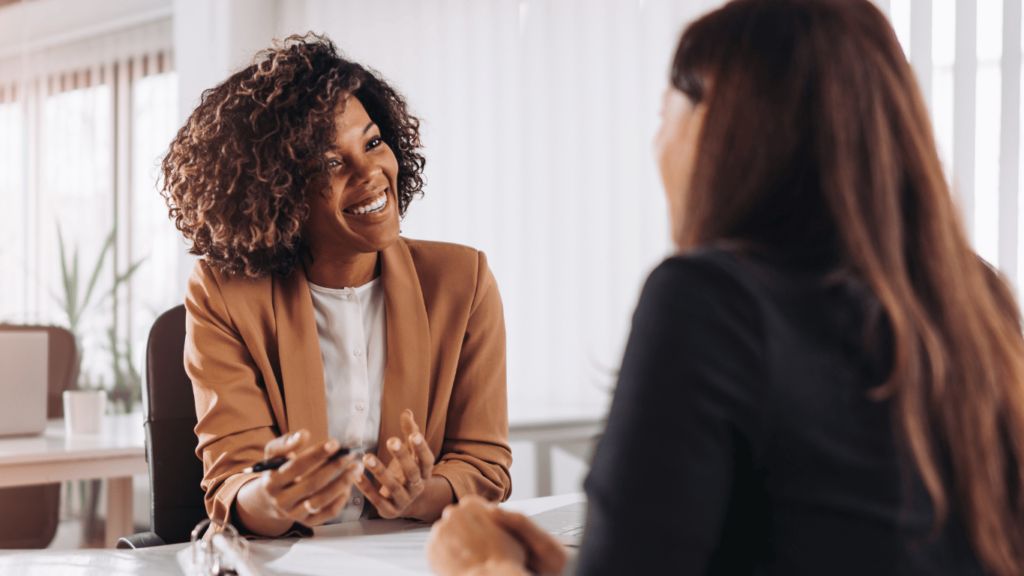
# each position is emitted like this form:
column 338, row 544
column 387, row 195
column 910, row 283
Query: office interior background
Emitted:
column 537, row 115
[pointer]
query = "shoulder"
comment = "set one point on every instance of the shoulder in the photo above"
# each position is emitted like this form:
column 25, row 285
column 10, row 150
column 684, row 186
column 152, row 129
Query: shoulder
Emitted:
column 434, row 257
column 698, row 338
column 448, row 264
column 706, row 283
column 452, row 273
column 204, row 275
column 208, row 285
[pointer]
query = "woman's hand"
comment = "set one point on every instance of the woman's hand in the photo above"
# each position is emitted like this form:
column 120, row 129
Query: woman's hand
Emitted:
column 310, row 488
column 468, row 541
column 544, row 554
column 477, row 538
column 406, row 488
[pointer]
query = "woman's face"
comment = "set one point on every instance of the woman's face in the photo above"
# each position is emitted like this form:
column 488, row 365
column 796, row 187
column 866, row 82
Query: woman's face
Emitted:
column 675, row 148
column 358, row 212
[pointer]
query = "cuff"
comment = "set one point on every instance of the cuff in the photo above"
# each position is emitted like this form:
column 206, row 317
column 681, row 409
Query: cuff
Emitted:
column 219, row 507
column 467, row 481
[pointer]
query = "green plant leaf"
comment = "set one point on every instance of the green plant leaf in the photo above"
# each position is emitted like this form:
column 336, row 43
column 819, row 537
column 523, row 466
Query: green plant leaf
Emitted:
column 122, row 278
column 99, row 267
column 65, row 277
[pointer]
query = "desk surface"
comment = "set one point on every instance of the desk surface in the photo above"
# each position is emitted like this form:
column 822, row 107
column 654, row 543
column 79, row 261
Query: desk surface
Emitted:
column 121, row 435
column 391, row 547
column 120, row 450
column 116, row 453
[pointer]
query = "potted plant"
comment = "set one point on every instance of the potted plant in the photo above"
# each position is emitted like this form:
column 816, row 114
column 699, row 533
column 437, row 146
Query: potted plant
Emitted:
column 127, row 381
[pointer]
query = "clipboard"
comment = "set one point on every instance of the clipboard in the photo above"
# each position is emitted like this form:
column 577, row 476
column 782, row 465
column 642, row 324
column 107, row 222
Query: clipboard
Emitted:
column 217, row 549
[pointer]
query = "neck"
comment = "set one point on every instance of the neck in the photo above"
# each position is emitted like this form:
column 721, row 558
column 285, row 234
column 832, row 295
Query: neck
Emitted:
column 343, row 271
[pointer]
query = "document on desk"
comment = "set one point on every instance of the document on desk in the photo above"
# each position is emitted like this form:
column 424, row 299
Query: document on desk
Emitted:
column 367, row 547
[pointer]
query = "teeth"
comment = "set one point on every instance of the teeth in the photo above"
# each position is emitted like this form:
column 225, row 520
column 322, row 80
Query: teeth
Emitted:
column 376, row 206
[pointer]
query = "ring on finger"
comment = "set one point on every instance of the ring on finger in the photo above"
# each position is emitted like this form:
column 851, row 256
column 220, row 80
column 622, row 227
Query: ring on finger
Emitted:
column 309, row 507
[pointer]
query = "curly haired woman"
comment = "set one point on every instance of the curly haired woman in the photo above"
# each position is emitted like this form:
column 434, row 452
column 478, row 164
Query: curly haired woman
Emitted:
column 311, row 323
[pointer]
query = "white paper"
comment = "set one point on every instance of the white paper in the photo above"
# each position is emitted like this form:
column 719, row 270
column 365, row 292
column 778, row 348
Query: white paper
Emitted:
column 396, row 553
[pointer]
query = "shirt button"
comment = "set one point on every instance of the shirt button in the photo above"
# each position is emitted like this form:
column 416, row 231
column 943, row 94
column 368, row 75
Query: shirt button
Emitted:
column 351, row 296
column 359, row 406
column 357, row 351
column 357, row 500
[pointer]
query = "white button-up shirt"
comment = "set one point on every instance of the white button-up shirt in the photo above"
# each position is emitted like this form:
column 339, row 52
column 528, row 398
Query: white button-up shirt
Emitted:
column 352, row 330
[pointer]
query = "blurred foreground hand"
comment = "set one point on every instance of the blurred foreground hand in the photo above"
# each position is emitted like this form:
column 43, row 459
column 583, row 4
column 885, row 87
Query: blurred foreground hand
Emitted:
column 476, row 538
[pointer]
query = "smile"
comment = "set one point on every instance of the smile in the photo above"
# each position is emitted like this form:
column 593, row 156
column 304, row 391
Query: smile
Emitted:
column 375, row 204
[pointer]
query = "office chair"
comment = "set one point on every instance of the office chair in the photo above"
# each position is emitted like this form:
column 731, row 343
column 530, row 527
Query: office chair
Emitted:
column 38, row 507
column 169, row 411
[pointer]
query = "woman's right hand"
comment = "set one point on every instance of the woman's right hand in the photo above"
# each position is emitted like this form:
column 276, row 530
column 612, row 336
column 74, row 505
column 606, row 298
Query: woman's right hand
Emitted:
column 309, row 489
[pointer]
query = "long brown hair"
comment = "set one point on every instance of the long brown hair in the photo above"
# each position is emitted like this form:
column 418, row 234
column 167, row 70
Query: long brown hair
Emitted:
column 816, row 134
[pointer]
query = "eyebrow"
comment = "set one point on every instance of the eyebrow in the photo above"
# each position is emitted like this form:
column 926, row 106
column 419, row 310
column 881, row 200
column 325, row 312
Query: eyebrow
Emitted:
column 365, row 130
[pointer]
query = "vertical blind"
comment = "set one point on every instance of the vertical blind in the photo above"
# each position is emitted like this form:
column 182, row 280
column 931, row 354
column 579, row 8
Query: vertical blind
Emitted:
column 967, row 56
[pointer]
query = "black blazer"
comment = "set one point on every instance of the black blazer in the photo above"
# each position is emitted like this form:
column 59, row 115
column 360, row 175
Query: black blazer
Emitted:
column 742, row 441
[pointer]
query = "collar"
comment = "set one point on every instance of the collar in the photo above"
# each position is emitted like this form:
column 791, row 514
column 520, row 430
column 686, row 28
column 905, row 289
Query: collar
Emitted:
column 407, row 375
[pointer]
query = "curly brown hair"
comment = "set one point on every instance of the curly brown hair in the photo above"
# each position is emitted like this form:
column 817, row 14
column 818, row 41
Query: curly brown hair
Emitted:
column 238, row 172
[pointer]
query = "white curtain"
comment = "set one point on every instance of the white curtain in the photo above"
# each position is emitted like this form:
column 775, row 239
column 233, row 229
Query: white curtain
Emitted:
column 75, row 194
column 154, row 240
column 12, row 217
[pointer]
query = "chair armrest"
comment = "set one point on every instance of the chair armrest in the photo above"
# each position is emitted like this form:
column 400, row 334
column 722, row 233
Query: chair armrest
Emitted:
column 140, row 540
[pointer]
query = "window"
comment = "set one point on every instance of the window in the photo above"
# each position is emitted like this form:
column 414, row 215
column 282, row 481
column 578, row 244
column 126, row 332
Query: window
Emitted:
column 13, row 196
column 153, row 238
column 82, row 127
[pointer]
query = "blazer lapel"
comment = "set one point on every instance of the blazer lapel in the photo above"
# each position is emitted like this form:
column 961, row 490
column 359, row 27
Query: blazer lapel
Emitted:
column 407, row 375
column 302, row 369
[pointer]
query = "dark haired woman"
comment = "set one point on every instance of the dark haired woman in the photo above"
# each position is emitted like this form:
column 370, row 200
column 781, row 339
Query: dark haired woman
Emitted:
column 311, row 323
column 826, row 379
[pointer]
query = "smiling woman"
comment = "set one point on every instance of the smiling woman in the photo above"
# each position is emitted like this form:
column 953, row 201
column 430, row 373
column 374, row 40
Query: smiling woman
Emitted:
column 311, row 324
column 352, row 220
column 241, row 172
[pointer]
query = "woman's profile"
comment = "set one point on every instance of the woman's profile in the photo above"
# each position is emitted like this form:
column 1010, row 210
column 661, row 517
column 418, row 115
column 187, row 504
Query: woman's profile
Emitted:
column 311, row 324
column 826, row 379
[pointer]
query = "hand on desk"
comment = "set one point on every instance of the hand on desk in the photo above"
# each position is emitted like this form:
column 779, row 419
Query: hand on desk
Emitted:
column 310, row 488
column 406, row 488
column 476, row 538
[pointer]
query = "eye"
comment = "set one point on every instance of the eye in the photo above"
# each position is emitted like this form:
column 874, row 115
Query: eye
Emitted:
column 333, row 163
column 376, row 142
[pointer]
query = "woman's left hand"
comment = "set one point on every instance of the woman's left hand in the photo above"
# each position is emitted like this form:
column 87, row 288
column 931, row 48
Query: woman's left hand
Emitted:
column 406, row 488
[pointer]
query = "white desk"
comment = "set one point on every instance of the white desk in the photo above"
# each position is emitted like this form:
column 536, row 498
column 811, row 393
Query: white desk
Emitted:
column 115, row 455
column 385, row 547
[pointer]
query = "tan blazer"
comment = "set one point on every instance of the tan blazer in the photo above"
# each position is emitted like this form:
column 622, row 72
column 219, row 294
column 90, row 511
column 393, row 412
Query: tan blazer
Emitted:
column 253, row 355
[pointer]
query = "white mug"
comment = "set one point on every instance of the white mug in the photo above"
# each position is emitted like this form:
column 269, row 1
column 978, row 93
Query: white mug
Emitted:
column 84, row 410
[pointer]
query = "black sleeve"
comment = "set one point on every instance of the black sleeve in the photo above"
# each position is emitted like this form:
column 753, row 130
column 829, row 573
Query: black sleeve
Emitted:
column 660, row 482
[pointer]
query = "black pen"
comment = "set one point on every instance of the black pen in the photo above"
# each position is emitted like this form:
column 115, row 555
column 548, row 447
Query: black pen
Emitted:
column 278, row 461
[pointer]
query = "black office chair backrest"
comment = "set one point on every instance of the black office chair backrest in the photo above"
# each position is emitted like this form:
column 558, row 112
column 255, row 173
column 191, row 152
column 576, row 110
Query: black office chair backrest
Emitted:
column 176, row 499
